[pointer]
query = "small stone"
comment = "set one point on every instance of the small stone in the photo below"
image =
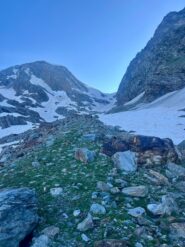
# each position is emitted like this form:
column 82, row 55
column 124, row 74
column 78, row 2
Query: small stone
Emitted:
column 97, row 209
column 85, row 238
column 89, row 137
column 86, row 224
column 138, row 244
column 155, row 209
column 111, row 243
column 103, row 186
column 56, row 191
column 94, row 195
column 35, row 164
column 115, row 190
column 122, row 183
column 51, row 231
column 84, row 155
column 136, row 212
column 76, row 212
column 65, row 215
column 135, row 191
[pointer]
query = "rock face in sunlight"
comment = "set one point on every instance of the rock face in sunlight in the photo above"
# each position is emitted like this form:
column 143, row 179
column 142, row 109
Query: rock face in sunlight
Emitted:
column 160, row 67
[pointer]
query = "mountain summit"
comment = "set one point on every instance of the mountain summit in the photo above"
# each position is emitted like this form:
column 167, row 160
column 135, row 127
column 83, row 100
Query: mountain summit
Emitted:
column 39, row 91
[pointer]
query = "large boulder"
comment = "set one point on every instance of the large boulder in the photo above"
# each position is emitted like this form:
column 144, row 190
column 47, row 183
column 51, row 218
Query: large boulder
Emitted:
column 150, row 150
column 125, row 161
column 42, row 241
column 18, row 215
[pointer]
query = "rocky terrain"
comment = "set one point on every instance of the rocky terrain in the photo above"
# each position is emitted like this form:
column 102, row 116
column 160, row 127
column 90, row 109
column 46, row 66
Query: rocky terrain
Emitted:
column 91, row 186
column 67, row 179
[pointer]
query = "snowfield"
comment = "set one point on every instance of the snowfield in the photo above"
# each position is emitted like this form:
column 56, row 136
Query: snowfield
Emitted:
column 160, row 118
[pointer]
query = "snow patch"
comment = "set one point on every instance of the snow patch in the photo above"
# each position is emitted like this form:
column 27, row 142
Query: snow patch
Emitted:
column 15, row 129
column 160, row 118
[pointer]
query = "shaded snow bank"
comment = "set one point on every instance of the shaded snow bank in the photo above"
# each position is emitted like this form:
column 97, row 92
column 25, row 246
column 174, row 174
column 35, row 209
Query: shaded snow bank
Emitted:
column 160, row 118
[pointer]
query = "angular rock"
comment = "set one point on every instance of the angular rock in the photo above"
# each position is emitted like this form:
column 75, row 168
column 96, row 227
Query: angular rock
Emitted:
column 85, row 238
column 41, row 241
column 76, row 212
column 155, row 209
column 35, row 164
column 84, row 155
column 175, row 170
column 56, row 191
column 51, row 231
column 18, row 215
column 102, row 186
column 167, row 206
column 86, row 224
column 125, row 161
column 115, row 190
column 97, row 209
column 136, row 212
column 89, row 137
column 157, row 178
column 138, row 244
column 111, row 243
column 177, row 230
column 135, row 191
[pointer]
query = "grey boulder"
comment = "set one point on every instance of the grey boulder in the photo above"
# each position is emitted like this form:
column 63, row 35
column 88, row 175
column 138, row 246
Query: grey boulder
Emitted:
column 125, row 161
column 18, row 215
column 84, row 155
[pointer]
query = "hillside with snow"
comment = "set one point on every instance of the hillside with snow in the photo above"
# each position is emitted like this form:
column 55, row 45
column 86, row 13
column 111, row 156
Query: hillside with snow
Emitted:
column 164, row 117
column 41, row 92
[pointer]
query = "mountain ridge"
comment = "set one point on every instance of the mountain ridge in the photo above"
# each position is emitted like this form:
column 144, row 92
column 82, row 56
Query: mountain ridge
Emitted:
column 159, row 67
column 39, row 91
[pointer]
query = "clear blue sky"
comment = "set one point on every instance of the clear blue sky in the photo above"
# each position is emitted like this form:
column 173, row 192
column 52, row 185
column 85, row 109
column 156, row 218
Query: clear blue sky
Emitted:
column 94, row 39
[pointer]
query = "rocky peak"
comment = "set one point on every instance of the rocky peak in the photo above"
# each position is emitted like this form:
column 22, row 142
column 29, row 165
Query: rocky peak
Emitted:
column 39, row 91
column 159, row 68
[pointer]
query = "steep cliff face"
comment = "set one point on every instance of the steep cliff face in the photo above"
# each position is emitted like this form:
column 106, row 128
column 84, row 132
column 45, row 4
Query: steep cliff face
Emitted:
column 160, row 67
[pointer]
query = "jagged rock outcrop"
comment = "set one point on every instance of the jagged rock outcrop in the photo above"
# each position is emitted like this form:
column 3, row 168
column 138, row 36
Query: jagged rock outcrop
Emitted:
column 160, row 67
column 149, row 150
